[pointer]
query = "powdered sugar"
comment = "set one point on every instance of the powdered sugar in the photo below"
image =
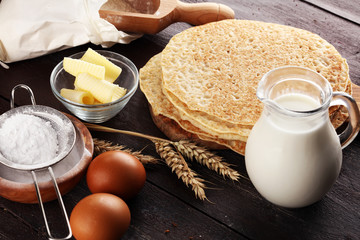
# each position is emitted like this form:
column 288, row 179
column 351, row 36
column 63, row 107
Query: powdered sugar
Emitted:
column 28, row 139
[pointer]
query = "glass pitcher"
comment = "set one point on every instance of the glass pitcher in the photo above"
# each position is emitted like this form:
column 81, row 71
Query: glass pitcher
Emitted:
column 293, row 154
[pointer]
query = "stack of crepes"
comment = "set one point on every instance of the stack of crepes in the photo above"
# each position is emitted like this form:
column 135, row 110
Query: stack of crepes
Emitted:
column 202, row 86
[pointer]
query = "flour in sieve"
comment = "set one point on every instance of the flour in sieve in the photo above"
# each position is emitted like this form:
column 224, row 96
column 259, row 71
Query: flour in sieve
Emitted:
column 27, row 139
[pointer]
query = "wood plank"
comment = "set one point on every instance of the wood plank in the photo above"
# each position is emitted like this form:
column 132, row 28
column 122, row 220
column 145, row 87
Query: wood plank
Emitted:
column 237, row 209
column 11, row 228
column 153, row 212
column 349, row 10
column 169, row 213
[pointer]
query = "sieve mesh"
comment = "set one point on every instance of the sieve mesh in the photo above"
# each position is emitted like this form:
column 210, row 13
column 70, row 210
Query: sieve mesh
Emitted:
column 60, row 123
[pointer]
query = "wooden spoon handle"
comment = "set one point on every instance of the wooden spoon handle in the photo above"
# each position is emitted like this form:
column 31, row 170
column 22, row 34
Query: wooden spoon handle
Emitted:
column 201, row 13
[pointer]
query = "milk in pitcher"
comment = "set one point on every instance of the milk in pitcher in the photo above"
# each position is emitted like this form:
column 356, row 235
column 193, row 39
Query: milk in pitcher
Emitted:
column 293, row 154
column 288, row 161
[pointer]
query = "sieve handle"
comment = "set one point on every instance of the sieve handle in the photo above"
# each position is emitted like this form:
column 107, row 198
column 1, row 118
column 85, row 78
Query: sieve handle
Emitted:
column 61, row 203
column 12, row 100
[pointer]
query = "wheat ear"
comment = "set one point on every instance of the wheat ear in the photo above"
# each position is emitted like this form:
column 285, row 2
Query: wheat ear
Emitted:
column 195, row 152
column 178, row 165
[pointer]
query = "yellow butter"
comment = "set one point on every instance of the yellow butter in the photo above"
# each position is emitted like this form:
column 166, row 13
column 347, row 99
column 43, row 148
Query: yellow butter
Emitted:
column 119, row 92
column 77, row 96
column 112, row 72
column 101, row 90
column 76, row 66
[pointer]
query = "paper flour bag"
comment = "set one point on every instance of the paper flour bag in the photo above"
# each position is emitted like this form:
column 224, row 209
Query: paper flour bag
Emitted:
column 33, row 28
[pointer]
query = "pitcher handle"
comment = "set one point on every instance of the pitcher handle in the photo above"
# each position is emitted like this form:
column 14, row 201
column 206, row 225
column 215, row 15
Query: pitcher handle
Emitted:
column 351, row 131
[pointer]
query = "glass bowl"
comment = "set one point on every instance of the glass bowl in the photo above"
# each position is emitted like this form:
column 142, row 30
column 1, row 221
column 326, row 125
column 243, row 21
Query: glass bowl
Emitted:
column 97, row 113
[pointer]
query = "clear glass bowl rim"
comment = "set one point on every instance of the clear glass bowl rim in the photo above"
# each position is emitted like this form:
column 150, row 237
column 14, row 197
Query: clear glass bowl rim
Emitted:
column 129, row 93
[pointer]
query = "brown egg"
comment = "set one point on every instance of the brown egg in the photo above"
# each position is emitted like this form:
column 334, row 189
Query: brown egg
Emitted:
column 100, row 216
column 116, row 172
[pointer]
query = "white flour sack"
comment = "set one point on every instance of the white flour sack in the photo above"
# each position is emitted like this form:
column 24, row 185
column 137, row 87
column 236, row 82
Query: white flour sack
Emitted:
column 33, row 28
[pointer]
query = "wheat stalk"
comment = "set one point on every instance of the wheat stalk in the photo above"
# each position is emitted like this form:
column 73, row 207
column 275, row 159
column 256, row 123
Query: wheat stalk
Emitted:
column 171, row 152
column 101, row 146
column 178, row 165
column 194, row 152
column 112, row 130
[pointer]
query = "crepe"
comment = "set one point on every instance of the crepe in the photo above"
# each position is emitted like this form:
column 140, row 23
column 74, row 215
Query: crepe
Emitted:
column 187, row 89
column 211, row 72
column 167, row 117
column 150, row 84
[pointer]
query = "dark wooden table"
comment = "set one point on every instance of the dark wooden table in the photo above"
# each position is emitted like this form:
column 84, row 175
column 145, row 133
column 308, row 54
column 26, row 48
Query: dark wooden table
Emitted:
column 166, row 208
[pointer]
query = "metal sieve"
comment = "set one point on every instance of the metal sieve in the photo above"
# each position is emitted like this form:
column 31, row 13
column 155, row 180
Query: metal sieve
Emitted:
column 66, row 139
